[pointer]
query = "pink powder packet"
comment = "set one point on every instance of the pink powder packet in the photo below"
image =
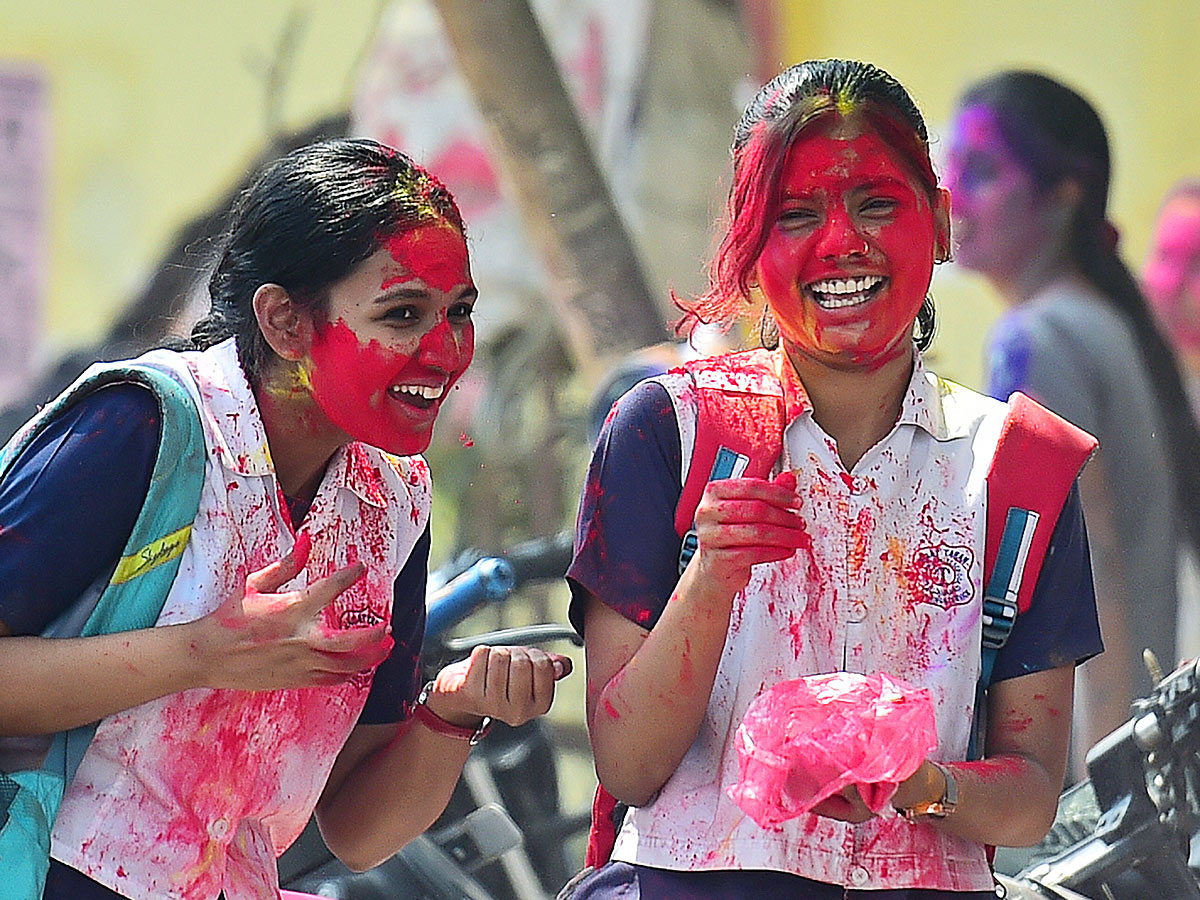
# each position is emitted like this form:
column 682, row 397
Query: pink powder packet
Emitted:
column 804, row 740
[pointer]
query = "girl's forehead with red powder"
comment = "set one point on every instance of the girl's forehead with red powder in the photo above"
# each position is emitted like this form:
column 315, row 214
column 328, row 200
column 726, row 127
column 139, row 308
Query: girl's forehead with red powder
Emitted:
column 435, row 253
column 844, row 155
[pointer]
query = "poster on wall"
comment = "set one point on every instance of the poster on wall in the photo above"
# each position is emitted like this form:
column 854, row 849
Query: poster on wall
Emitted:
column 24, row 151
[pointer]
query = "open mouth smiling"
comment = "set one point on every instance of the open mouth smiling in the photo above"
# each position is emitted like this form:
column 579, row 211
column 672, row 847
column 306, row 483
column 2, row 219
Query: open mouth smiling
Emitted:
column 839, row 293
column 422, row 396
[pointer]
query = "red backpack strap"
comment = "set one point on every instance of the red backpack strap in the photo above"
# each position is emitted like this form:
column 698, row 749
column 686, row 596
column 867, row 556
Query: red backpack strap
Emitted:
column 1038, row 457
column 738, row 434
column 1037, row 460
column 604, row 829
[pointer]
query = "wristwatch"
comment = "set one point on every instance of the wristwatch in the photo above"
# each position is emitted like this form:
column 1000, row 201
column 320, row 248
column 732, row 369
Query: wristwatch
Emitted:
column 936, row 809
column 434, row 722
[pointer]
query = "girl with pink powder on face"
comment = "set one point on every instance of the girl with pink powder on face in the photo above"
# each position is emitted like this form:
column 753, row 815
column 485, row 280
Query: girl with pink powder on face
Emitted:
column 836, row 220
column 1171, row 278
column 283, row 672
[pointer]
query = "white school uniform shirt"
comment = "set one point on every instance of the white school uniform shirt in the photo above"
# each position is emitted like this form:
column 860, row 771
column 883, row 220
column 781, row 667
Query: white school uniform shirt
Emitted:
column 890, row 582
column 197, row 793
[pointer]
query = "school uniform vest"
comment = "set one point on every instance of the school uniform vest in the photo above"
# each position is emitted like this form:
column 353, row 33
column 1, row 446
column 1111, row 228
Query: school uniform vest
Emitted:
column 196, row 793
column 890, row 580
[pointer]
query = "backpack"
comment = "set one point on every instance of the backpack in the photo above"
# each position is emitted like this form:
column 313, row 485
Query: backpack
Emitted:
column 130, row 598
column 740, row 434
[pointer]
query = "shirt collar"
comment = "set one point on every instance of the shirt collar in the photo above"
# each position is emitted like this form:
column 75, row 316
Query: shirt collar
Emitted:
column 239, row 438
column 926, row 402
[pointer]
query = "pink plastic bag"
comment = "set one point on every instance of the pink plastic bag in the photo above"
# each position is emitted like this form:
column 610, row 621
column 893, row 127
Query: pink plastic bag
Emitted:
column 804, row 740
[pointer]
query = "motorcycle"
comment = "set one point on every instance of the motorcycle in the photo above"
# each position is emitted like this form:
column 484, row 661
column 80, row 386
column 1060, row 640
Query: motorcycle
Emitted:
column 503, row 833
column 1132, row 830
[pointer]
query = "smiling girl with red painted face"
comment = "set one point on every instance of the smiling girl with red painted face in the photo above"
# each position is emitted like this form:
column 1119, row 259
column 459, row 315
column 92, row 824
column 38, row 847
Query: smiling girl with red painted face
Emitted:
column 859, row 550
column 283, row 672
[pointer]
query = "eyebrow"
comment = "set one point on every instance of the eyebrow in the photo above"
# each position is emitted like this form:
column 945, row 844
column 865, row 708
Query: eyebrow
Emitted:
column 869, row 184
column 403, row 292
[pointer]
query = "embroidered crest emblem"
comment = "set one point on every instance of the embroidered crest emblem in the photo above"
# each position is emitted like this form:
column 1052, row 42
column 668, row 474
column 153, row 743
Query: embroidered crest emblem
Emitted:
column 941, row 575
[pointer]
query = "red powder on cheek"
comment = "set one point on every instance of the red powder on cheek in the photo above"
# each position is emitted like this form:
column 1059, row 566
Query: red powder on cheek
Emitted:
column 350, row 383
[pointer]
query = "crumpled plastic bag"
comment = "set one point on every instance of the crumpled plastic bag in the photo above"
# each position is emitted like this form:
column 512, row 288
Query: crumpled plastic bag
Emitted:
column 804, row 740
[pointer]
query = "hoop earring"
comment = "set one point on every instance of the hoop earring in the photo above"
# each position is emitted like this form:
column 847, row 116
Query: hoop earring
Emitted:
column 768, row 330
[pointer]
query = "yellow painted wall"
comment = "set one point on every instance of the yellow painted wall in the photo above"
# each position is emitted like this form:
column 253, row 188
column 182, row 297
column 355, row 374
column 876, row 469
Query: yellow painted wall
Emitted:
column 157, row 108
column 1137, row 61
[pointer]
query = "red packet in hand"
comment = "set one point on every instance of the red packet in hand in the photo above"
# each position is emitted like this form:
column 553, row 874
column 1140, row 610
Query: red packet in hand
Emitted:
column 804, row 740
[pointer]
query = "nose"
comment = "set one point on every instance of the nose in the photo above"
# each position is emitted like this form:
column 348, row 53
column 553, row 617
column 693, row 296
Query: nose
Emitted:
column 839, row 238
column 439, row 347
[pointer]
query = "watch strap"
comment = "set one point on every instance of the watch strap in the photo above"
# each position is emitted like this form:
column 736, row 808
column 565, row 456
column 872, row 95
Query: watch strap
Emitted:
column 936, row 809
column 431, row 720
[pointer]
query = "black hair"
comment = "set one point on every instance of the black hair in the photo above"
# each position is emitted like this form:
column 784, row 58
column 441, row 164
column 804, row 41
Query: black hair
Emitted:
column 304, row 223
column 783, row 108
column 1057, row 136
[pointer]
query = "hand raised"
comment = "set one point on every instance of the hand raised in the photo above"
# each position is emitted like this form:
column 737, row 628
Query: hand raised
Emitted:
column 512, row 684
column 741, row 522
column 266, row 639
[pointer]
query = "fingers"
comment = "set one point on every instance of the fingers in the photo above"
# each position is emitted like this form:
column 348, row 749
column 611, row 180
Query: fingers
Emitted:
column 513, row 684
column 781, row 492
column 280, row 572
column 324, row 591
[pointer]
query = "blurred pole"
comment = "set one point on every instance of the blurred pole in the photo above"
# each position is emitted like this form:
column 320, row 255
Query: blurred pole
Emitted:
column 598, row 287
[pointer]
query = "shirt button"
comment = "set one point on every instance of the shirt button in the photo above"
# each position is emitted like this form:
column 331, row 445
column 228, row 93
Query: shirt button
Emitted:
column 859, row 876
column 219, row 828
column 857, row 613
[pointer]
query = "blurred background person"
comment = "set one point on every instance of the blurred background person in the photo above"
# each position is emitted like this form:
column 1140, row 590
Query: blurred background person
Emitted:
column 1171, row 278
column 1171, row 282
column 1029, row 171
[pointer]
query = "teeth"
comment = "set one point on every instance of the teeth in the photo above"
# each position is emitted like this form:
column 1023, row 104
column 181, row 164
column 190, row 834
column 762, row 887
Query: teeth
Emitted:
column 836, row 293
column 845, row 285
column 417, row 390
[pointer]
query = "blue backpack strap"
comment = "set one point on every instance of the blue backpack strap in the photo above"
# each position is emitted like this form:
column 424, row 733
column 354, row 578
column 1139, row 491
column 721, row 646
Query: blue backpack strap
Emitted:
column 1000, row 608
column 139, row 584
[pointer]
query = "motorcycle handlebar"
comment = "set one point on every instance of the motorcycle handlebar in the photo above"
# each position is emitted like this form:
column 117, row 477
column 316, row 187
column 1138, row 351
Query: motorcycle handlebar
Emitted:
column 486, row 581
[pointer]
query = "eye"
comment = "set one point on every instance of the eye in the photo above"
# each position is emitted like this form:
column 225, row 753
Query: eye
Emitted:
column 403, row 314
column 879, row 207
column 461, row 311
column 797, row 217
column 978, row 171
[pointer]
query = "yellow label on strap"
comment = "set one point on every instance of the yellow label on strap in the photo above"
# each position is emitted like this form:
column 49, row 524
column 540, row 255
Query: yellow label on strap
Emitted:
column 152, row 555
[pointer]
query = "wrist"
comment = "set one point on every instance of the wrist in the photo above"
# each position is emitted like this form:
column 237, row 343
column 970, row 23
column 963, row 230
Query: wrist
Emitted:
column 195, row 645
column 938, row 801
column 458, row 725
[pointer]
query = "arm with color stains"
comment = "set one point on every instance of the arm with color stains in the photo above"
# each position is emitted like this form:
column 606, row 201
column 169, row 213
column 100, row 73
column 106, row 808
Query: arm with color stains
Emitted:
column 391, row 782
column 1008, row 798
column 648, row 691
column 261, row 640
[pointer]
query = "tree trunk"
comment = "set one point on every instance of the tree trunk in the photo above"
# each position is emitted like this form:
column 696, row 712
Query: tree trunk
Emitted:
column 599, row 290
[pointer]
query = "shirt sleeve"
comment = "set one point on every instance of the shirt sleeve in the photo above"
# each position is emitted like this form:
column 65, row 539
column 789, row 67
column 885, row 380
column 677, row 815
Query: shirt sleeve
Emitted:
column 397, row 680
column 1061, row 626
column 626, row 548
column 1045, row 363
column 70, row 500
